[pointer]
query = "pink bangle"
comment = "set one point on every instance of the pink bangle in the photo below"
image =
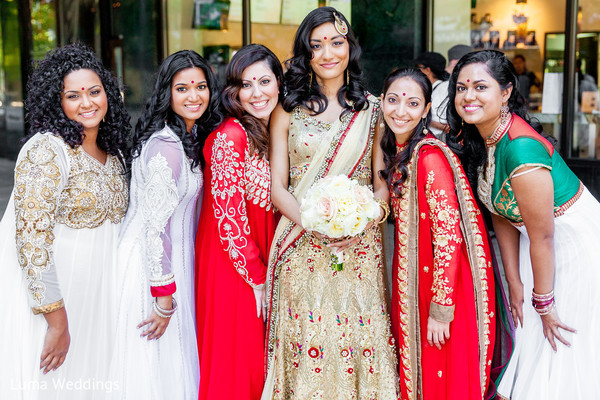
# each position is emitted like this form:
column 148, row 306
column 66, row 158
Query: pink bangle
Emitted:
column 543, row 303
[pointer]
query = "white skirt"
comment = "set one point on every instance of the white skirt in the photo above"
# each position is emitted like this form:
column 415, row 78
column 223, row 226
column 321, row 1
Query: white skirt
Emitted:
column 166, row 368
column 84, row 260
column 535, row 371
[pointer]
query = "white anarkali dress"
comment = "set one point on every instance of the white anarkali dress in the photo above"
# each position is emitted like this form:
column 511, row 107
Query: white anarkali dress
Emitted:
column 62, row 221
column 156, row 252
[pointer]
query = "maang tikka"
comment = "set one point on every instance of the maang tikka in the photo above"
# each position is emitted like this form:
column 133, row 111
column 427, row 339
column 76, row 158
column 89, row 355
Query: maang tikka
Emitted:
column 340, row 25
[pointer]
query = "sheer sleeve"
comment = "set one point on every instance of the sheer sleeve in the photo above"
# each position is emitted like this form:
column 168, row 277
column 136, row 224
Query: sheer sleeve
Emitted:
column 162, row 165
column 437, row 178
column 228, row 186
column 40, row 175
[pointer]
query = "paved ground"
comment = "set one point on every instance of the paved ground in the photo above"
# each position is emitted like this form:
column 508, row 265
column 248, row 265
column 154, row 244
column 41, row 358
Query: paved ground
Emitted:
column 6, row 181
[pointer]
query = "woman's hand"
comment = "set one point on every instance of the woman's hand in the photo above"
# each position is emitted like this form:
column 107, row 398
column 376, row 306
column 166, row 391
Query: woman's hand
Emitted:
column 260, row 295
column 551, row 322
column 157, row 325
column 515, row 301
column 437, row 332
column 56, row 342
column 343, row 243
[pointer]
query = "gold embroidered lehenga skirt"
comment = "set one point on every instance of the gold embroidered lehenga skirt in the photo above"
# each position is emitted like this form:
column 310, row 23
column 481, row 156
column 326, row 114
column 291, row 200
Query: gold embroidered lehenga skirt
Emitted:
column 329, row 332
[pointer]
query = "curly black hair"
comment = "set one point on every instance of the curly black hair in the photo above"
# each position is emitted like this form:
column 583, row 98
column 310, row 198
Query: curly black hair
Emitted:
column 43, row 111
column 258, row 131
column 301, row 90
column 397, row 161
column 158, row 107
column 464, row 139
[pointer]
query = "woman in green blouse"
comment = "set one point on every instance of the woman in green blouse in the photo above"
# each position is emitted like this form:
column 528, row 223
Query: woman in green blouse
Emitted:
column 548, row 229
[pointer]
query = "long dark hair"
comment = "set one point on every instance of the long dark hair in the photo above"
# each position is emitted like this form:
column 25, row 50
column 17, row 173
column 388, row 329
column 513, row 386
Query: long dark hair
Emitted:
column 396, row 161
column 301, row 90
column 158, row 107
column 464, row 139
column 256, row 129
column 43, row 111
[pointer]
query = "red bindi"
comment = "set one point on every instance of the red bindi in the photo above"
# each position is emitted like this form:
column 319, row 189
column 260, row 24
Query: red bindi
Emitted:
column 403, row 94
column 254, row 78
column 82, row 88
column 325, row 38
column 468, row 80
column 192, row 81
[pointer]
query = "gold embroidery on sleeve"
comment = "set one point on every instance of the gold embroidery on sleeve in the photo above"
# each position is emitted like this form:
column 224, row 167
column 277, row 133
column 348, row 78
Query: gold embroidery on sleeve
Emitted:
column 37, row 178
column 48, row 308
column 444, row 220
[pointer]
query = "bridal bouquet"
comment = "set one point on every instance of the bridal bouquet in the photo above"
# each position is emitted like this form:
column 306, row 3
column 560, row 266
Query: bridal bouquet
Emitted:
column 337, row 206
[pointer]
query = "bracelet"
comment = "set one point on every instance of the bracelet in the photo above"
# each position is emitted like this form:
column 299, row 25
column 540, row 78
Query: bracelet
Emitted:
column 163, row 313
column 543, row 303
column 386, row 209
column 542, row 297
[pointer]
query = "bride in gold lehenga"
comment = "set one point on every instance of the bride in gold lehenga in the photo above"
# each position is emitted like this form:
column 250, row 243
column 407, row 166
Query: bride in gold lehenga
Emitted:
column 328, row 332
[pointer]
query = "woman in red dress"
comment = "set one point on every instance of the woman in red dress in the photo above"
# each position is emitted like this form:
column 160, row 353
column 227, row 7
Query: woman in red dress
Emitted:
column 236, row 227
column 443, row 283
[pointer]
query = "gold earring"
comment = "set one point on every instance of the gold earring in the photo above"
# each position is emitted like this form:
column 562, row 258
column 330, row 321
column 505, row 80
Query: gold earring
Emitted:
column 504, row 113
column 347, row 77
column 310, row 81
column 425, row 131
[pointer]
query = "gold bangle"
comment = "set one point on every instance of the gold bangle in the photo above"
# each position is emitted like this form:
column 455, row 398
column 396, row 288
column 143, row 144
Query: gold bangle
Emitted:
column 386, row 209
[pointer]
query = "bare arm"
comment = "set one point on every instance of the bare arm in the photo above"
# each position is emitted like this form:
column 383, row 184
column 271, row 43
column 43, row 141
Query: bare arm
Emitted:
column 534, row 192
column 508, row 240
column 440, row 126
column 380, row 188
column 285, row 202
column 56, row 341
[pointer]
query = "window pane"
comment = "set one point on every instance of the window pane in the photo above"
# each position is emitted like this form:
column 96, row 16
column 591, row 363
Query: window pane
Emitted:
column 525, row 32
column 11, row 83
column 586, row 129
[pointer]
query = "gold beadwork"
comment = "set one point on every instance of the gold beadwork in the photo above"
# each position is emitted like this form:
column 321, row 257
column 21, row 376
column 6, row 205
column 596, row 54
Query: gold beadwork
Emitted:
column 340, row 25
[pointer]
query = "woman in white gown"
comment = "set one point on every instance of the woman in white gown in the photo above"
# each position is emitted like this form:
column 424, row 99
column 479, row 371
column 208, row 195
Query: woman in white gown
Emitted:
column 156, row 355
column 59, row 232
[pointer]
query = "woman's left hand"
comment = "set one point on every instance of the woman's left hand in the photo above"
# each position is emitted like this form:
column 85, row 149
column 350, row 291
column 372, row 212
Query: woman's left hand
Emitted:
column 437, row 332
column 551, row 322
column 157, row 325
column 344, row 243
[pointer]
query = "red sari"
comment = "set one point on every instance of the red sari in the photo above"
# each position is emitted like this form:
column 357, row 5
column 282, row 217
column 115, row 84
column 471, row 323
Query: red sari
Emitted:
column 443, row 269
column 235, row 230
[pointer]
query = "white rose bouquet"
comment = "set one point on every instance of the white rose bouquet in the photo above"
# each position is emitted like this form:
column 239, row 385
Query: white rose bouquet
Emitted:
column 337, row 206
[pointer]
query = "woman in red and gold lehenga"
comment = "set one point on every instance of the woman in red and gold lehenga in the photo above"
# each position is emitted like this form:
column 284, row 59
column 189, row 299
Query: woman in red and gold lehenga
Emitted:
column 443, row 284
column 236, row 228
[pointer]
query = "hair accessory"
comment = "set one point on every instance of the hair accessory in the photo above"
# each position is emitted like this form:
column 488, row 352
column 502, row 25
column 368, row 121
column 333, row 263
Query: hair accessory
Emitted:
column 340, row 25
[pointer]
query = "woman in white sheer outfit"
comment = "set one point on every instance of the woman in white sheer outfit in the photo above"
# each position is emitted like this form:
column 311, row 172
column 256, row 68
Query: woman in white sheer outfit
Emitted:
column 156, row 354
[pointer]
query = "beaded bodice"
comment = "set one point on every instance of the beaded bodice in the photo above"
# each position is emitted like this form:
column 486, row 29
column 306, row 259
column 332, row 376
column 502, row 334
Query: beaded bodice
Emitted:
column 94, row 192
column 307, row 135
